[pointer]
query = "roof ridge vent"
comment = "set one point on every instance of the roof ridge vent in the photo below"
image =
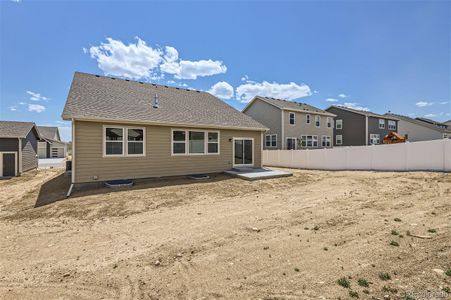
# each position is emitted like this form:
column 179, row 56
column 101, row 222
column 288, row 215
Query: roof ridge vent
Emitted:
column 156, row 101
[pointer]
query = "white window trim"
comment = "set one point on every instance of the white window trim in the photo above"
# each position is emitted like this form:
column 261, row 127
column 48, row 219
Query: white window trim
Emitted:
column 187, row 142
column 308, row 119
column 393, row 126
column 270, row 140
column 294, row 118
column 1, row 161
column 330, row 140
column 295, row 142
column 124, row 141
column 329, row 123
column 312, row 135
column 339, row 122
column 373, row 136
column 383, row 124
column 341, row 139
column 319, row 121
column 233, row 152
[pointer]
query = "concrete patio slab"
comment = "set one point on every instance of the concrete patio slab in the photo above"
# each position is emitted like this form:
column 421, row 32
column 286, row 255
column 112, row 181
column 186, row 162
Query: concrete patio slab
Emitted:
column 257, row 173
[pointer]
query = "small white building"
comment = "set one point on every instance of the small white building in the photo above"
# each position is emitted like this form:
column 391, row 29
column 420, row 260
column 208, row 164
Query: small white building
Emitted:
column 51, row 146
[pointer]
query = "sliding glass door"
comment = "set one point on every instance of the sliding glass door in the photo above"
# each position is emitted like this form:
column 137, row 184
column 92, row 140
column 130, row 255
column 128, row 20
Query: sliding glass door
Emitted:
column 243, row 152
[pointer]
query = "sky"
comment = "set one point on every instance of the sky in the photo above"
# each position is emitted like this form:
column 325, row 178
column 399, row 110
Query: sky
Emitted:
column 378, row 56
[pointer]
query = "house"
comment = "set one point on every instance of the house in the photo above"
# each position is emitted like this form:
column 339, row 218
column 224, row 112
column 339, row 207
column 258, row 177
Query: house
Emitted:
column 415, row 130
column 18, row 147
column 358, row 128
column 447, row 123
column 292, row 125
column 51, row 145
column 124, row 129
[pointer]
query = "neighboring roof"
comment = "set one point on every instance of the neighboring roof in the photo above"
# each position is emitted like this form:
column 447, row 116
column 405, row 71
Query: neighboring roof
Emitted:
column 49, row 133
column 418, row 122
column 94, row 97
column 361, row 112
column 289, row 105
column 436, row 123
column 13, row 129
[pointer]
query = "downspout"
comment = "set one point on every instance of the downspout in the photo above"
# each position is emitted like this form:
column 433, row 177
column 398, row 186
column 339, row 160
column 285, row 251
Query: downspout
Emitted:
column 19, row 159
column 73, row 161
column 366, row 130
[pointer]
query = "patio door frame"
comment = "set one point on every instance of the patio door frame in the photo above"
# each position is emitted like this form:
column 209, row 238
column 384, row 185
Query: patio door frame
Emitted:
column 1, row 161
column 233, row 151
column 295, row 142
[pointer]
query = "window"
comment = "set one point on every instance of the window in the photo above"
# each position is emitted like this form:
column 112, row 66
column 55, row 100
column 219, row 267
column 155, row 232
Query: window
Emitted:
column 292, row 118
column 213, row 142
column 339, row 139
column 391, row 125
column 374, row 139
column 339, row 124
column 178, row 142
column 317, row 121
column 195, row 142
column 307, row 120
column 329, row 122
column 135, row 141
column 326, row 141
column 114, row 141
column 271, row 140
column 124, row 141
column 309, row 141
column 381, row 124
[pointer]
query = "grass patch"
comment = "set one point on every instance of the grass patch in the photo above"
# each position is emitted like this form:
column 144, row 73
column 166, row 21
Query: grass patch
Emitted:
column 447, row 290
column 389, row 289
column 353, row 294
column 366, row 292
column 363, row 282
column 394, row 232
column 448, row 272
column 384, row 276
column 344, row 282
column 394, row 243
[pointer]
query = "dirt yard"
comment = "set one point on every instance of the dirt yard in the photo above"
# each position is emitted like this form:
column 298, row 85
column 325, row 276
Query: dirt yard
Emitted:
column 288, row 238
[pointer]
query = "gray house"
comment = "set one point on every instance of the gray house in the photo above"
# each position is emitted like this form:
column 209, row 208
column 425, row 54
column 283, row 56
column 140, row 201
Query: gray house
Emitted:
column 358, row 128
column 419, row 130
column 18, row 147
column 292, row 125
column 51, row 145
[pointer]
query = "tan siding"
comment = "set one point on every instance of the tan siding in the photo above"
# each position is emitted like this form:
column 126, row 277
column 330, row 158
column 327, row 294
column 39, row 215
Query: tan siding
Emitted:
column 158, row 160
column 269, row 116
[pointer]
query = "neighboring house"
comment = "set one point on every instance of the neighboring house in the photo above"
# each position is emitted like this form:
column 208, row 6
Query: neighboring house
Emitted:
column 123, row 129
column 292, row 125
column 447, row 123
column 51, row 146
column 415, row 130
column 18, row 147
column 357, row 128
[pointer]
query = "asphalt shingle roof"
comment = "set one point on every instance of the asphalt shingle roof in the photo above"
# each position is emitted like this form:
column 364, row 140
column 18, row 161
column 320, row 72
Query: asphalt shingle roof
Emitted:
column 285, row 104
column 13, row 129
column 48, row 132
column 363, row 112
column 418, row 122
column 105, row 98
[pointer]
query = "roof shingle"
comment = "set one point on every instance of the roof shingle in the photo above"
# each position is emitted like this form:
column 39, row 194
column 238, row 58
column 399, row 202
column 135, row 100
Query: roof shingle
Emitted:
column 13, row 129
column 104, row 98
column 285, row 104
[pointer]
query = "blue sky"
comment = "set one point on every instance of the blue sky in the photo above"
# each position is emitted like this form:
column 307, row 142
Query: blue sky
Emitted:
column 374, row 55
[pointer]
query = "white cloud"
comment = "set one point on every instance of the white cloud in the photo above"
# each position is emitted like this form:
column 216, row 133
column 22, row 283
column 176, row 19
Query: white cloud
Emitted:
column 22, row 103
column 13, row 108
column 36, row 96
column 354, row 105
column 36, row 108
column 244, row 78
column 430, row 115
column 331, row 100
column 315, row 92
column 222, row 90
column 423, row 103
column 343, row 96
column 443, row 102
column 289, row 91
column 130, row 61
column 139, row 60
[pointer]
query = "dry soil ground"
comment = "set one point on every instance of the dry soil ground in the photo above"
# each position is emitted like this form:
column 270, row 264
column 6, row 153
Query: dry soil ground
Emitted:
column 288, row 238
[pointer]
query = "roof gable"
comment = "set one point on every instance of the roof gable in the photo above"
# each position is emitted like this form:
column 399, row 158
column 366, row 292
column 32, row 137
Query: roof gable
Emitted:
column 361, row 112
column 103, row 98
column 50, row 133
column 14, row 129
column 418, row 122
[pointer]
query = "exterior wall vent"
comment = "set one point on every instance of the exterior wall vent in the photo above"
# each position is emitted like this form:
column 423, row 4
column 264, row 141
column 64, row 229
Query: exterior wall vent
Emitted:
column 156, row 102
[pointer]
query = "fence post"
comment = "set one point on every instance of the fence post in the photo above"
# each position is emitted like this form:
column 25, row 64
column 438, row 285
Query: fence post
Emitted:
column 278, row 157
column 406, row 160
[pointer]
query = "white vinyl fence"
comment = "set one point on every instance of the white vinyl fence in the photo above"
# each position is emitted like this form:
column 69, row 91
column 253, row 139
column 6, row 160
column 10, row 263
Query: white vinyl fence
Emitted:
column 427, row 155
